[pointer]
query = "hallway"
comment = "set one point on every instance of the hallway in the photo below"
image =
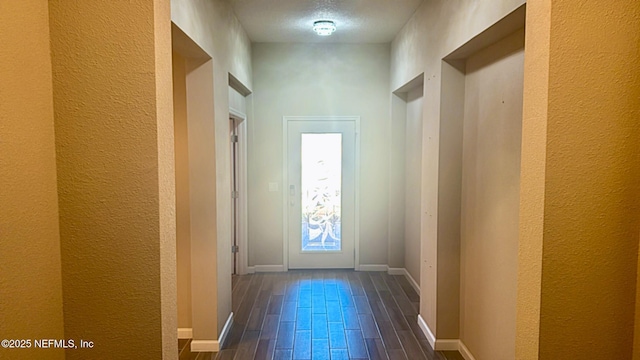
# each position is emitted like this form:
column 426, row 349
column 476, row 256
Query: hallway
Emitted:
column 337, row 314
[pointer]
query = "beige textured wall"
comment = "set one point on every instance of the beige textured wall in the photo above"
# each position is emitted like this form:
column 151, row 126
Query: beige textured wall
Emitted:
column 589, row 236
column 418, row 49
column 183, row 204
column 166, row 176
column 214, row 27
column 237, row 101
column 636, row 333
column 30, row 275
column 205, row 244
column 490, row 198
column 317, row 80
column 397, row 134
column 413, row 181
column 532, row 178
column 447, row 300
column 114, row 148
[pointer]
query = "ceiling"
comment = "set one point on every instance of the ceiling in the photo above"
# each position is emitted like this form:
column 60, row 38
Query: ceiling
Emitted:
column 357, row 21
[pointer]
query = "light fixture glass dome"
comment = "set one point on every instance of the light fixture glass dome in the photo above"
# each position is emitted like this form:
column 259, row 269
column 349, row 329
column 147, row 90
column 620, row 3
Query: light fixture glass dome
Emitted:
column 324, row 27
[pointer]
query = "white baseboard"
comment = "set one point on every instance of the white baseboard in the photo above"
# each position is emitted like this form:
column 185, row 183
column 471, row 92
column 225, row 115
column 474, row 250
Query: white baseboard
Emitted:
column 426, row 331
column 412, row 281
column 225, row 330
column 213, row 345
column 205, row 346
column 185, row 333
column 447, row 345
column 466, row 354
column 373, row 267
column 444, row 344
column 265, row 268
column 403, row 271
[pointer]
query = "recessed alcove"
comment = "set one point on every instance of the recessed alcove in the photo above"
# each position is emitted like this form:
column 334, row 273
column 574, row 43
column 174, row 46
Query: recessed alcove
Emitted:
column 478, row 195
column 405, row 176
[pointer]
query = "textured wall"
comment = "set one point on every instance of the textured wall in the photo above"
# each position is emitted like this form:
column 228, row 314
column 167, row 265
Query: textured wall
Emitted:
column 214, row 27
column 532, row 178
column 490, row 198
column 205, row 244
column 183, row 204
column 436, row 29
column 237, row 101
column 316, row 80
column 397, row 135
column 114, row 147
column 166, row 175
column 636, row 333
column 413, row 181
column 30, row 279
column 589, row 237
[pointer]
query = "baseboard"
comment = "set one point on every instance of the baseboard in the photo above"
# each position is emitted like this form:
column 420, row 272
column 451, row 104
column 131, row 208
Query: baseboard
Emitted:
column 403, row 271
column 205, row 346
column 373, row 267
column 466, row 354
column 426, row 331
column 251, row 270
column 447, row 345
column 412, row 281
column 213, row 345
column 444, row 344
column 225, row 330
column 265, row 268
column 185, row 333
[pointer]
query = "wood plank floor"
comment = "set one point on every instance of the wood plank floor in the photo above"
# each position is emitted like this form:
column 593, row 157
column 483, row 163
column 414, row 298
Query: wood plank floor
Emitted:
column 323, row 314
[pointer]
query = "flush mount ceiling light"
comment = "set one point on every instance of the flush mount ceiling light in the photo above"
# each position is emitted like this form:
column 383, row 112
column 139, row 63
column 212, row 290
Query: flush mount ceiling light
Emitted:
column 324, row 27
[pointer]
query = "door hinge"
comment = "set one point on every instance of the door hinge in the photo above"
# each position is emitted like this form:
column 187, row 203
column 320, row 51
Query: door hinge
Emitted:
column 234, row 138
column 235, row 194
column 234, row 248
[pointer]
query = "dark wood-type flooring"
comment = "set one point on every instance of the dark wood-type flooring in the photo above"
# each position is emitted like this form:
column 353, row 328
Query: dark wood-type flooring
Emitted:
column 323, row 314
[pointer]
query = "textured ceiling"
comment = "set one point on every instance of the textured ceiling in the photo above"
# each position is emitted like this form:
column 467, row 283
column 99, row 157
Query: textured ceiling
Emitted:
column 358, row 21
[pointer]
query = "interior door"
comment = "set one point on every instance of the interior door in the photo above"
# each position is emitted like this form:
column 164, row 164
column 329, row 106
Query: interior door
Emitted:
column 234, row 195
column 321, row 169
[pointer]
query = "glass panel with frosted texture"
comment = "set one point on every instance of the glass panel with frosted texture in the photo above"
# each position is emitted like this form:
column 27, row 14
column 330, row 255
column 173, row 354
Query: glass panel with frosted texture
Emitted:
column 321, row 156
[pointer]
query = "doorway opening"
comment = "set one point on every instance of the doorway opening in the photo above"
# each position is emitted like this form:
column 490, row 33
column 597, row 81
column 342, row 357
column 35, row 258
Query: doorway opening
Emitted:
column 238, row 152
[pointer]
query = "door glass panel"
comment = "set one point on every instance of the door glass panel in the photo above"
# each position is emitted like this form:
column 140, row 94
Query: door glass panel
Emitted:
column 321, row 158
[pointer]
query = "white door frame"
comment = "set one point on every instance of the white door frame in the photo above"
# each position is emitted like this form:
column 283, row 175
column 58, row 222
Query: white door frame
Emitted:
column 285, row 176
column 243, row 261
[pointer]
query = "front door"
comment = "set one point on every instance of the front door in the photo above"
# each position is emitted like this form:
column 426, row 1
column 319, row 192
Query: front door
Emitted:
column 321, row 171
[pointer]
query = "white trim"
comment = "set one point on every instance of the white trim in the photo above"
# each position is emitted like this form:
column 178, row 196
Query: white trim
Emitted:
column 464, row 351
column 251, row 270
column 285, row 193
column 225, row 330
column 237, row 114
column 412, row 281
column 444, row 344
column 426, row 331
column 205, row 346
column 213, row 345
column 356, row 243
column 185, row 333
column 447, row 345
column 285, row 176
column 268, row 268
column 403, row 271
column 243, row 205
column 373, row 267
